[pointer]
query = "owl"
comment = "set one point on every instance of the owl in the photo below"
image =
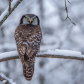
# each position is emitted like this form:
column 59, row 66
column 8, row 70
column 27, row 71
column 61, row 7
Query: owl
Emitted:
column 28, row 37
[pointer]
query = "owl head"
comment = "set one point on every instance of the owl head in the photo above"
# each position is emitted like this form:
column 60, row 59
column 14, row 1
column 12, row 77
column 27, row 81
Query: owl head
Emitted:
column 29, row 19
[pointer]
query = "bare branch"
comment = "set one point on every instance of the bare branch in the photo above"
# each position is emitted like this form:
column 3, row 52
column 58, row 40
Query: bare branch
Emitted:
column 12, row 9
column 69, row 1
column 9, row 6
column 67, row 13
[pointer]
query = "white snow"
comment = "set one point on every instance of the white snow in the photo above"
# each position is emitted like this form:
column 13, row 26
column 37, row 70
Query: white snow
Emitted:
column 3, row 14
column 6, row 11
column 51, row 52
column 57, row 34
column 8, row 54
column 9, row 80
column 13, row 3
column 63, row 52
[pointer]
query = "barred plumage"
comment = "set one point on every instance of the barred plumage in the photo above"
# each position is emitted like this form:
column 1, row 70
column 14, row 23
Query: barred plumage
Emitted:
column 28, row 68
column 28, row 37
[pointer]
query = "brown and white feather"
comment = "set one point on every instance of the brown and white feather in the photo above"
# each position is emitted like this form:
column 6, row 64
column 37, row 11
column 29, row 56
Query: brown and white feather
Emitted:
column 28, row 39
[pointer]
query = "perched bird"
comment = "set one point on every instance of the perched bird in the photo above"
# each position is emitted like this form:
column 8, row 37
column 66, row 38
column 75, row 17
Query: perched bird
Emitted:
column 28, row 37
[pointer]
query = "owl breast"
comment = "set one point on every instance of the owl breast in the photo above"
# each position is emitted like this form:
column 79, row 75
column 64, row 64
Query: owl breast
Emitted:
column 28, row 36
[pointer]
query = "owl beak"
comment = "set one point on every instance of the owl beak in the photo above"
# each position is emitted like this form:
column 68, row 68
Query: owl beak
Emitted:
column 30, row 20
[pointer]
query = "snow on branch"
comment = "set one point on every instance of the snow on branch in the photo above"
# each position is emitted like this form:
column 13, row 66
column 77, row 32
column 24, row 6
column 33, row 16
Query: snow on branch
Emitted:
column 9, row 10
column 5, row 80
column 8, row 56
column 65, row 54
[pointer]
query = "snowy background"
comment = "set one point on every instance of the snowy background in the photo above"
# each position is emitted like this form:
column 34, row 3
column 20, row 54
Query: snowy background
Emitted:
column 57, row 34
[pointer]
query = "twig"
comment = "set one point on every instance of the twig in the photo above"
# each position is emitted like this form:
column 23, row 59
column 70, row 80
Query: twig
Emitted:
column 45, row 56
column 2, row 79
column 9, row 6
column 5, row 80
column 7, row 15
column 67, row 13
column 69, row 1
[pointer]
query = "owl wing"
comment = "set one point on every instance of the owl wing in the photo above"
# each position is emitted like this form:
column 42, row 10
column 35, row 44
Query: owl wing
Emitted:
column 34, row 42
column 21, row 47
column 28, row 42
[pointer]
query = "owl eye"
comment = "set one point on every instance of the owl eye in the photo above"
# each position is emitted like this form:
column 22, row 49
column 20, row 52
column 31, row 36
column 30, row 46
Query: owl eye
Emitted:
column 33, row 18
column 27, row 18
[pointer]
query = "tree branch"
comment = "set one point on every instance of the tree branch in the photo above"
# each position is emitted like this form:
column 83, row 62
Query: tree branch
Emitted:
column 61, row 56
column 65, row 54
column 67, row 13
column 9, row 6
column 6, row 80
column 6, row 13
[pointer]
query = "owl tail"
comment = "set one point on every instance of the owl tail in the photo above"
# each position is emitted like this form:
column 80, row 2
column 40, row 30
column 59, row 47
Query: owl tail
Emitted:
column 28, row 67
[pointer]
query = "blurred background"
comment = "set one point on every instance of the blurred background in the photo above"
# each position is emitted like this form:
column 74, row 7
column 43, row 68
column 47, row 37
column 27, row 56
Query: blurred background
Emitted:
column 57, row 34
